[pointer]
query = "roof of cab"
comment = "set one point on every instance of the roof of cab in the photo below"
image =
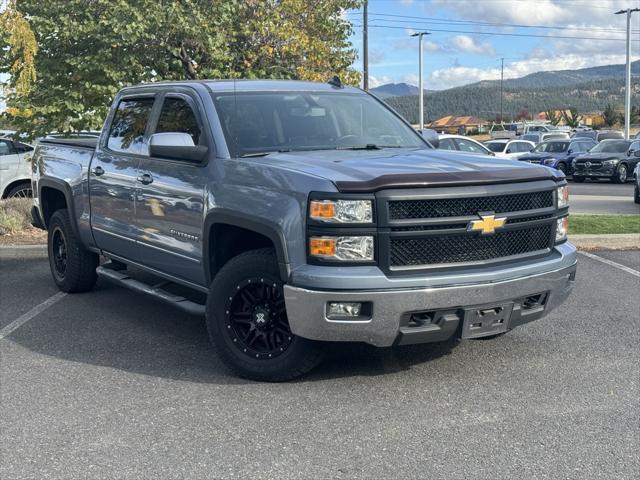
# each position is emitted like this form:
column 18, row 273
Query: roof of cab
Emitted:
column 231, row 85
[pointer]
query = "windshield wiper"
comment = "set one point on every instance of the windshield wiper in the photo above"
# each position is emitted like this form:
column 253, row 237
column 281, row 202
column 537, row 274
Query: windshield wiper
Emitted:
column 263, row 154
column 368, row 146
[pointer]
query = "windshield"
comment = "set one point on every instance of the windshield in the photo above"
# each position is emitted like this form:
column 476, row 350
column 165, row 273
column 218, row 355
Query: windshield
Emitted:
column 495, row 146
column 551, row 147
column 263, row 122
column 611, row 147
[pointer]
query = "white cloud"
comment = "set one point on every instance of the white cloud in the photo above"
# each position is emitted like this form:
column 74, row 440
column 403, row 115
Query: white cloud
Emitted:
column 376, row 81
column 467, row 44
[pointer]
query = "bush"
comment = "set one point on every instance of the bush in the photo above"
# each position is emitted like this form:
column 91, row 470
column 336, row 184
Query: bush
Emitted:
column 15, row 215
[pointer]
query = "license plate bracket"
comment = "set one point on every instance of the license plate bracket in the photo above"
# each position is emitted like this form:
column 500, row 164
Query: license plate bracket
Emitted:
column 486, row 320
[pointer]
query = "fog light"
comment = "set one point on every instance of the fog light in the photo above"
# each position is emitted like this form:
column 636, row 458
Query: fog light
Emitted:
column 343, row 309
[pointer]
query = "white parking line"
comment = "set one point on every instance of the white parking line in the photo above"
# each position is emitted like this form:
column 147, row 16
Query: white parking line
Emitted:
column 612, row 263
column 22, row 319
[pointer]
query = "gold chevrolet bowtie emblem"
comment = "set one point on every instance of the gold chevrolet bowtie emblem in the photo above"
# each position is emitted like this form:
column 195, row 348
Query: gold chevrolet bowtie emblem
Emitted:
column 487, row 225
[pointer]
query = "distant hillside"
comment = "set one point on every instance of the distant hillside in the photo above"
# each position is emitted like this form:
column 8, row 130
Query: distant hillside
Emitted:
column 484, row 100
column 562, row 78
column 396, row 90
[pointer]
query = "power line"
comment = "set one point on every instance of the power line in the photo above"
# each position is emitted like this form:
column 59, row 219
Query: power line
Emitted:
column 504, row 34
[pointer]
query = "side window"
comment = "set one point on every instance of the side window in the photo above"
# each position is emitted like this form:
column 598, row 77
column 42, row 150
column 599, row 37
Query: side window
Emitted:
column 447, row 144
column 467, row 146
column 128, row 126
column 575, row 147
column 177, row 116
column 635, row 146
column 22, row 148
column 526, row 147
column 6, row 148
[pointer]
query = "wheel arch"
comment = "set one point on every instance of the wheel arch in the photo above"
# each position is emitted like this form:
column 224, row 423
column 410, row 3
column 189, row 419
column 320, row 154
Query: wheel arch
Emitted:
column 229, row 226
column 53, row 195
column 15, row 183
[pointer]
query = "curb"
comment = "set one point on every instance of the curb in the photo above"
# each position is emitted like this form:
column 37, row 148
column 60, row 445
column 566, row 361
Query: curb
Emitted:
column 23, row 251
column 621, row 241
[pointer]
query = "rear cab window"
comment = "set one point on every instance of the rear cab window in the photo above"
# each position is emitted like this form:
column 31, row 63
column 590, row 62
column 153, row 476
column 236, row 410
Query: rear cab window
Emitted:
column 127, row 131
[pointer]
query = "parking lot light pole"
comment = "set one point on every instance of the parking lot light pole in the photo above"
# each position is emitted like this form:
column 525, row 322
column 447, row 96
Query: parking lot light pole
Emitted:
column 627, row 90
column 421, row 86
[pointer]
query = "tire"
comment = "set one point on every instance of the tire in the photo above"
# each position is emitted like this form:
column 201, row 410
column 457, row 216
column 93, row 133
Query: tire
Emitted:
column 250, row 285
column 22, row 190
column 636, row 194
column 621, row 174
column 578, row 179
column 563, row 168
column 73, row 268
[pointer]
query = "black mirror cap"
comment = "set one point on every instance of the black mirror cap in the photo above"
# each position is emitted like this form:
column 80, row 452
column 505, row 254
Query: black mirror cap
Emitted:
column 430, row 136
column 197, row 153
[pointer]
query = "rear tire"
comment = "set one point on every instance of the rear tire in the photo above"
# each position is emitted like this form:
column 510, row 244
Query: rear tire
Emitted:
column 636, row 194
column 22, row 190
column 247, row 322
column 73, row 268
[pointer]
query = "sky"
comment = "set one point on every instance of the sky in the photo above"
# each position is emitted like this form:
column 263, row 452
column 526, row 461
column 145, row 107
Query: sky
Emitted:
column 478, row 33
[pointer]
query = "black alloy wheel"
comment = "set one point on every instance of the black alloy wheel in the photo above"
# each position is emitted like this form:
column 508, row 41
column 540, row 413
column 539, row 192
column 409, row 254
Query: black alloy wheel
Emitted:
column 59, row 253
column 257, row 318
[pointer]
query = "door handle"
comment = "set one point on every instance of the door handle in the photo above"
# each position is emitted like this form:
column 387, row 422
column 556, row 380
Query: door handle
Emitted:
column 145, row 179
column 97, row 171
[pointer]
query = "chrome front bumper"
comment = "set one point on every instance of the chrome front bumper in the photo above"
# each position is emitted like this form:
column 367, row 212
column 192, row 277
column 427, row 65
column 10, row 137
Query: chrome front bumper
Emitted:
column 389, row 322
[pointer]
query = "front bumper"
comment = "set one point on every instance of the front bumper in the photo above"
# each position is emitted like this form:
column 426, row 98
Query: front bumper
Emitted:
column 603, row 172
column 391, row 319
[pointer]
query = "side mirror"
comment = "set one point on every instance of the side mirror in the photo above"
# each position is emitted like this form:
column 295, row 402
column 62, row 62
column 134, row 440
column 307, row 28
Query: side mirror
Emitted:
column 176, row 146
column 508, row 150
column 569, row 152
column 430, row 136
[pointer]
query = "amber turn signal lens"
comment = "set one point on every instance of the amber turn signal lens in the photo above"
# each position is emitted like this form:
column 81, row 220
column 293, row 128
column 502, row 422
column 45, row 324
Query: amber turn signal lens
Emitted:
column 322, row 209
column 322, row 247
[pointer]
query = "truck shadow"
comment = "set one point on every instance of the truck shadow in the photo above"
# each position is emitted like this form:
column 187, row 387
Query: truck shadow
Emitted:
column 114, row 328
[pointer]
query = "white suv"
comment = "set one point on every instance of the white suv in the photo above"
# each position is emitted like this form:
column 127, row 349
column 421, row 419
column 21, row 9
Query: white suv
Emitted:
column 15, row 169
column 511, row 149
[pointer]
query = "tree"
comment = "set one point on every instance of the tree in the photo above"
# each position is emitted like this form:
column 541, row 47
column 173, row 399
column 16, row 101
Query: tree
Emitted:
column 611, row 116
column 571, row 117
column 553, row 117
column 18, row 48
column 89, row 49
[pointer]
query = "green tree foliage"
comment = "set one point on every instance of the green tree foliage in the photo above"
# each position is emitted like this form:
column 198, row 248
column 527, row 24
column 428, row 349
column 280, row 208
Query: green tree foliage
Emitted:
column 553, row 116
column 571, row 117
column 611, row 116
column 89, row 49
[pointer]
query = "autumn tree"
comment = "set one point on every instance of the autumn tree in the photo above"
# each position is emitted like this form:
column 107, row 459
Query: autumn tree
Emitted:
column 18, row 48
column 89, row 49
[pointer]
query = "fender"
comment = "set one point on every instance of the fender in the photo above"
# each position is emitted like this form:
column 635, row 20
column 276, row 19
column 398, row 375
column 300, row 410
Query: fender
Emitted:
column 65, row 189
column 249, row 222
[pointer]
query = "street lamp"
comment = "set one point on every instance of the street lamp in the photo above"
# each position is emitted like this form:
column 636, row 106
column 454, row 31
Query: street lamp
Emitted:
column 627, row 91
column 420, row 35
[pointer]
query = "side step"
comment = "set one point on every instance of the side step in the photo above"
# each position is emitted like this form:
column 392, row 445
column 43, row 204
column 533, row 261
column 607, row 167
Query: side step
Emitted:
column 122, row 278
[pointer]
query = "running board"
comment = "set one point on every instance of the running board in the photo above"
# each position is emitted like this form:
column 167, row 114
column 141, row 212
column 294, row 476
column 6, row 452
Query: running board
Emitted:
column 120, row 277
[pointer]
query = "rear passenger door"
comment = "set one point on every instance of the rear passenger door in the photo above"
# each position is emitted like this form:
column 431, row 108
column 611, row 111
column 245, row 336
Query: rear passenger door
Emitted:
column 170, row 200
column 112, row 177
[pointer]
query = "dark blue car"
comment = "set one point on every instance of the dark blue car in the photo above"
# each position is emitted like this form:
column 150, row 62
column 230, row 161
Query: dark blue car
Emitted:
column 558, row 154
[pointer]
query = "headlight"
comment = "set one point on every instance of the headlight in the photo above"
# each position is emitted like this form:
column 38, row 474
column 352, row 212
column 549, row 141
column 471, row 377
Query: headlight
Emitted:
column 341, row 211
column 563, row 196
column 345, row 249
column 562, row 229
column 548, row 161
column 609, row 162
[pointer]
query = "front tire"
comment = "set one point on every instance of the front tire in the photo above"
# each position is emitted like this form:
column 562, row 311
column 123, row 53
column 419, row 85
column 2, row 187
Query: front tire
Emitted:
column 22, row 190
column 636, row 194
column 247, row 321
column 563, row 168
column 73, row 268
column 621, row 174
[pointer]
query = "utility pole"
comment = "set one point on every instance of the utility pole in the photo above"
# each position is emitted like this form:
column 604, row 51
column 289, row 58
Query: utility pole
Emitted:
column 365, row 45
column 421, row 86
column 501, row 80
column 627, row 90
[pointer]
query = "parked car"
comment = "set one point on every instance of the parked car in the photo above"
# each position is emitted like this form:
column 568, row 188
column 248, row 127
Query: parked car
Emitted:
column 612, row 159
column 636, row 189
column 463, row 144
column 539, row 137
column 558, row 154
column 539, row 127
column 511, row 149
column 15, row 169
column 304, row 223
column 499, row 130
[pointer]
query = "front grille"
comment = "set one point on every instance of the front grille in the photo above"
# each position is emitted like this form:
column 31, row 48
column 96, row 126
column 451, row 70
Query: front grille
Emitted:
column 461, row 207
column 462, row 248
column 592, row 165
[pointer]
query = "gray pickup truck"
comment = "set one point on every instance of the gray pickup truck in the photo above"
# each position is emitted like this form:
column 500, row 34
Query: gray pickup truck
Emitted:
column 292, row 213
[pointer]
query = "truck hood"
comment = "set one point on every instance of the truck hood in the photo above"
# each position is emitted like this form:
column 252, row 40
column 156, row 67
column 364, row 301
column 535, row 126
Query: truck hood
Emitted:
column 361, row 170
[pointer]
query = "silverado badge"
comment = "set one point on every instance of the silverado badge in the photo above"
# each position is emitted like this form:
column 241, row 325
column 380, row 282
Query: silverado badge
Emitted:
column 487, row 225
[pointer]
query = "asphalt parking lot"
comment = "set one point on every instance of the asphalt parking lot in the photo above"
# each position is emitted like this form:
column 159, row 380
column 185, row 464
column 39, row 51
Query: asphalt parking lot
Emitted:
column 111, row 384
column 602, row 197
